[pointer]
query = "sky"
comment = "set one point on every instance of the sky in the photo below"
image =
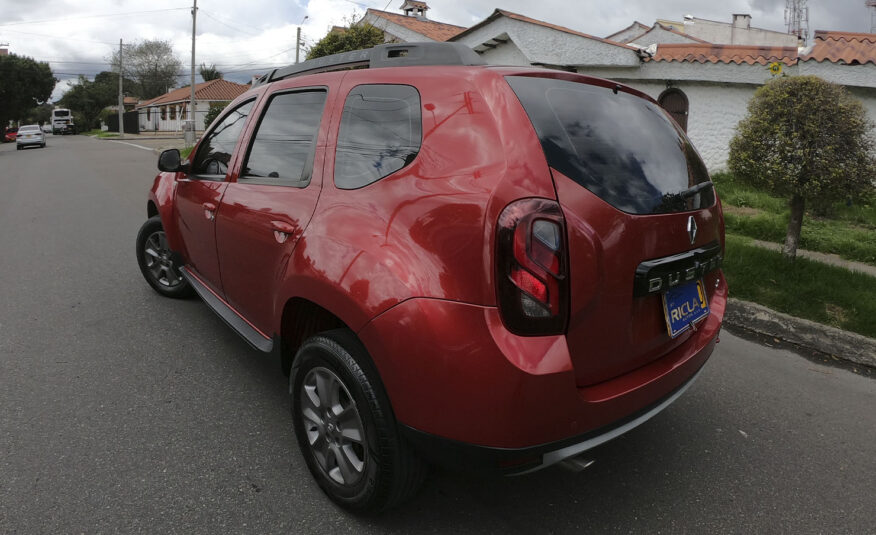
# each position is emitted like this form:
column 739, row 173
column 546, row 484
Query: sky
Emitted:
column 247, row 37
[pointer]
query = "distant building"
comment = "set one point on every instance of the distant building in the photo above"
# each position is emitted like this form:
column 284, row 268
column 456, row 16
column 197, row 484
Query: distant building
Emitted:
column 412, row 25
column 168, row 112
column 705, row 85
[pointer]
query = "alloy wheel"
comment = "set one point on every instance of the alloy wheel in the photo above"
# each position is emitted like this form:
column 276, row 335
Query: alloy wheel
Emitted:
column 158, row 260
column 333, row 426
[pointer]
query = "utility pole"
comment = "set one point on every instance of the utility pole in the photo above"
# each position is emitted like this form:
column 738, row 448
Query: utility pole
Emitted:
column 190, row 131
column 121, row 95
column 298, row 40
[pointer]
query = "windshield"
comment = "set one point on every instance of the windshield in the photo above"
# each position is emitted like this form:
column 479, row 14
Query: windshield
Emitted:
column 621, row 147
column 62, row 113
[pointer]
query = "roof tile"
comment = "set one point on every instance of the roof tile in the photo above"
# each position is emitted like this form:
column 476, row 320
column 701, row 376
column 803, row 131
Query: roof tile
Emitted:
column 219, row 89
column 738, row 54
column 842, row 47
column 437, row 31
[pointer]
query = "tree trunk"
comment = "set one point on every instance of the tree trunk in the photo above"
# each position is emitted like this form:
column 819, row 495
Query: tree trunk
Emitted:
column 792, row 238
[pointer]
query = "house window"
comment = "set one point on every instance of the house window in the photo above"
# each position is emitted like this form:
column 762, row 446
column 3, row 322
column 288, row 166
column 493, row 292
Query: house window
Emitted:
column 163, row 113
column 675, row 102
column 182, row 112
column 148, row 113
column 172, row 113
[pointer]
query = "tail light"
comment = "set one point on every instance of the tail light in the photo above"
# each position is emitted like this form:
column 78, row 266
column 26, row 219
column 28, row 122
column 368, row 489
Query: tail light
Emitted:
column 532, row 268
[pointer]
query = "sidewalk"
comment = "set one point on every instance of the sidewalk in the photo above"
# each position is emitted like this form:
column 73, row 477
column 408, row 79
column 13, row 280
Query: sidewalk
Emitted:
column 824, row 258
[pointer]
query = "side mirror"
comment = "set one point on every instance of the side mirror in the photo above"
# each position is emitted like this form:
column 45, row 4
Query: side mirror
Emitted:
column 170, row 161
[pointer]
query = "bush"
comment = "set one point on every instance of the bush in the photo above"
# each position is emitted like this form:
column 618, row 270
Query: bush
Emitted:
column 804, row 139
column 214, row 111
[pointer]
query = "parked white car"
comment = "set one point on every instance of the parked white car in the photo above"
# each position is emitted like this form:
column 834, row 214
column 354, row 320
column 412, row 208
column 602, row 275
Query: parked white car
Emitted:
column 30, row 134
column 47, row 128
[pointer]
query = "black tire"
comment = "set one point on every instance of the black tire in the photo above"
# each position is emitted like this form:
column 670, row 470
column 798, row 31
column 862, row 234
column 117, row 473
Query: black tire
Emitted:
column 156, row 262
column 18, row 147
column 391, row 472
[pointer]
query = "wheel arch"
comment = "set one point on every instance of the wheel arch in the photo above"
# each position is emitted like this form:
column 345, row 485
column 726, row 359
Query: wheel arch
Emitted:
column 302, row 318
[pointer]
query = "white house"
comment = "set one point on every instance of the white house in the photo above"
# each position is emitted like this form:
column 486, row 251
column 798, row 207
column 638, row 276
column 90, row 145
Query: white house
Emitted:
column 168, row 112
column 706, row 86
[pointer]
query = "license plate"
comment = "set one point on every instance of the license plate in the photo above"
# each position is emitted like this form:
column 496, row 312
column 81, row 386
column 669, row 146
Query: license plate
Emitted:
column 684, row 306
column 28, row 136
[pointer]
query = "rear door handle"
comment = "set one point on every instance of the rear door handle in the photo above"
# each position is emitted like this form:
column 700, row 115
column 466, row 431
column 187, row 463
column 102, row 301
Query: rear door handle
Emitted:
column 282, row 230
column 209, row 211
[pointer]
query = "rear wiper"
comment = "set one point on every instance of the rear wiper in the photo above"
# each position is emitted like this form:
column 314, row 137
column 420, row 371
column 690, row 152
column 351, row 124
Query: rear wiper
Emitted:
column 693, row 190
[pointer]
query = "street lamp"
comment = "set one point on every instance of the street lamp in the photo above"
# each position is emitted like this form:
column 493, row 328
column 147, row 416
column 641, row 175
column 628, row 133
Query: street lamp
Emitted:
column 298, row 39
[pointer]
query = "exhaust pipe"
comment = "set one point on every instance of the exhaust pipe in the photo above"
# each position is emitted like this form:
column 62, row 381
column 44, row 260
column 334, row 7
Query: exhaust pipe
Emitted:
column 576, row 464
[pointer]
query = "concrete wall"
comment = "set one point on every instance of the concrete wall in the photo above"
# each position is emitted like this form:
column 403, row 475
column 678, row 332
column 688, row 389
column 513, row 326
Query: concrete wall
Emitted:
column 505, row 54
column 727, row 34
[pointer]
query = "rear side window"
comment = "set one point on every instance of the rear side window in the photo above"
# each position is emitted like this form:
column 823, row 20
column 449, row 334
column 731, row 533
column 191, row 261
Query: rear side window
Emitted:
column 215, row 150
column 619, row 146
column 381, row 132
column 285, row 140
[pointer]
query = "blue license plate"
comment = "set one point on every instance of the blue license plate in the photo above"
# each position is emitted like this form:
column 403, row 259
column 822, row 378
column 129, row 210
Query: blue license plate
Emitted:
column 684, row 306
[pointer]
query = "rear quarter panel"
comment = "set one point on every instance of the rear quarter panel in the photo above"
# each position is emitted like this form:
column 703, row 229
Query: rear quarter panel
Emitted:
column 426, row 230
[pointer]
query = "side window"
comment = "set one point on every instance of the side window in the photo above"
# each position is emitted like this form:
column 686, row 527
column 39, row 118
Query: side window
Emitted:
column 215, row 150
column 381, row 132
column 285, row 140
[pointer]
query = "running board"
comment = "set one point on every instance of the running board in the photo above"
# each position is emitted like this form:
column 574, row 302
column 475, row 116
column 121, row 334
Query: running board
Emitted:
column 230, row 316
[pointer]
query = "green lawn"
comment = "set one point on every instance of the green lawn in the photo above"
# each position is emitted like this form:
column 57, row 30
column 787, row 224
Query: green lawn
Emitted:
column 849, row 231
column 803, row 288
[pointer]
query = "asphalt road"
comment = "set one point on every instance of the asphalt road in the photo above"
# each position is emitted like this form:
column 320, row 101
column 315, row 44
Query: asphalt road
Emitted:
column 123, row 412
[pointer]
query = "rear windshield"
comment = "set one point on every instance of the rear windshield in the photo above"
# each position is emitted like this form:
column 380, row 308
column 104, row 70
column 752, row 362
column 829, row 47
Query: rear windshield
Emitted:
column 29, row 129
column 621, row 147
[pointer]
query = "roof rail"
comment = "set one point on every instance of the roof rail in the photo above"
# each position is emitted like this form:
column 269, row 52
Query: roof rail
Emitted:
column 390, row 55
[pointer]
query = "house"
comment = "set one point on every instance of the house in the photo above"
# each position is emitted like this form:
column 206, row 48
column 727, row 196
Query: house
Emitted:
column 168, row 112
column 412, row 25
column 705, row 85
column 506, row 38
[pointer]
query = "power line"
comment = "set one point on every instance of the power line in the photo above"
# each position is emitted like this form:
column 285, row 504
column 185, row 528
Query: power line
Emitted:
column 57, row 38
column 64, row 19
column 235, row 28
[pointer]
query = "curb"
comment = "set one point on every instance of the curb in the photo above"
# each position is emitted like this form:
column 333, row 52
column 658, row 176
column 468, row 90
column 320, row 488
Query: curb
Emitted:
column 822, row 338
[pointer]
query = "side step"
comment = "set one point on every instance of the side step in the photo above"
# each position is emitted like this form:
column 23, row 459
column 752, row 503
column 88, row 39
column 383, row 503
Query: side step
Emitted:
column 230, row 316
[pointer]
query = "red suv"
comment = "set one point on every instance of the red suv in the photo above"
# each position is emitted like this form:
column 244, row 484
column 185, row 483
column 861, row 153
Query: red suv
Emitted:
column 495, row 268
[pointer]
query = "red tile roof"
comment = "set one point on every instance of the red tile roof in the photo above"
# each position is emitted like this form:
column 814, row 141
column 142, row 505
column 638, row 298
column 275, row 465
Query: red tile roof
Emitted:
column 213, row 90
column 708, row 53
column 523, row 18
column 437, row 31
column 842, row 47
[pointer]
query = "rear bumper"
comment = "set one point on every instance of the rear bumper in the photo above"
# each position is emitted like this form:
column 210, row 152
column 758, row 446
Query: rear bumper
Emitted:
column 36, row 141
column 519, row 461
column 453, row 371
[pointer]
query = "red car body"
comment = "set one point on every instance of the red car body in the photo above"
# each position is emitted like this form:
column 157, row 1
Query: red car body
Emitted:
column 408, row 263
column 10, row 135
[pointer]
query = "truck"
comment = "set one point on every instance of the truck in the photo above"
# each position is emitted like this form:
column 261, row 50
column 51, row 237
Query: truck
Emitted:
column 62, row 121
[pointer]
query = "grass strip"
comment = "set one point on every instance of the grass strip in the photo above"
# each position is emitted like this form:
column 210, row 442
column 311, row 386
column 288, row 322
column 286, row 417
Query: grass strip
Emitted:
column 803, row 288
column 849, row 232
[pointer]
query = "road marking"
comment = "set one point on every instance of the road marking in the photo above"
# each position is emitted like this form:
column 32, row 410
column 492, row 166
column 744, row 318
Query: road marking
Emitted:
column 133, row 145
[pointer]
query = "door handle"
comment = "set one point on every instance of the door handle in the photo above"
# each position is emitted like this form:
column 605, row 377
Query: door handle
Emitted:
column 282, row 230
column 209, row 211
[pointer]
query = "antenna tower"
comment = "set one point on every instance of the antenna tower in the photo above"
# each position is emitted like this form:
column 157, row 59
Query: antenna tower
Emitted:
column 797, row 18
column 871, row 4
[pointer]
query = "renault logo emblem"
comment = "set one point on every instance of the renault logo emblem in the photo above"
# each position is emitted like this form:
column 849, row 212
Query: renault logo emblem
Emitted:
column 692, row 229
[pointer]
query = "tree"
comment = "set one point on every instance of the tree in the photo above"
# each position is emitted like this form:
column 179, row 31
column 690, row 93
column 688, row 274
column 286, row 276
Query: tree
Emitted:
column 209, row 73
column 152, row 65
column 87, row 99
column 41, row 114
column 214, row 111
column 804, row 138
column 24, row 83
column 356, row 37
